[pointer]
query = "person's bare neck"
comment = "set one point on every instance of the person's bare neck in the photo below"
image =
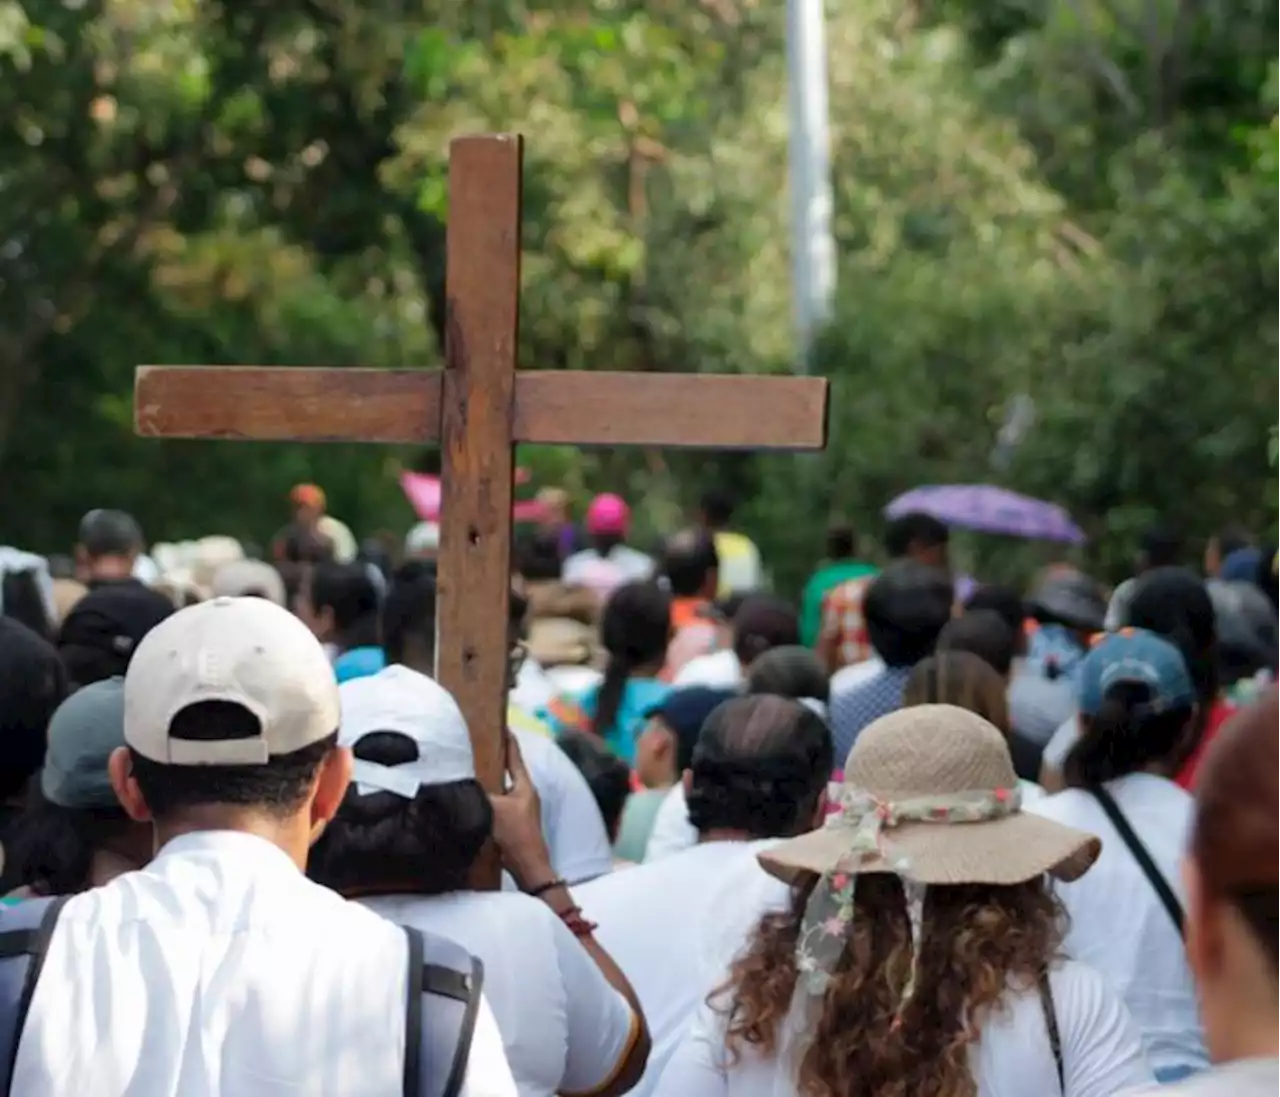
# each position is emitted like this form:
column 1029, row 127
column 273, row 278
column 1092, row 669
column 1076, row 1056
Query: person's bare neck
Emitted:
column 109, row 568
column 287, row 835
column 723, row 834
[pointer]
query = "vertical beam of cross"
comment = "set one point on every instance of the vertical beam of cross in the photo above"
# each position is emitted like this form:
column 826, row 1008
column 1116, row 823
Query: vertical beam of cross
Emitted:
column 477, row 415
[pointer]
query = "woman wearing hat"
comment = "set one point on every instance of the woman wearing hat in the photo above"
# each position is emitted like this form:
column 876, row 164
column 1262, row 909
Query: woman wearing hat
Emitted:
column 920, row 956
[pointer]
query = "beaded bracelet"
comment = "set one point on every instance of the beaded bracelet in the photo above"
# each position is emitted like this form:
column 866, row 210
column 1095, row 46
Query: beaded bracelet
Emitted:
column 550, row 885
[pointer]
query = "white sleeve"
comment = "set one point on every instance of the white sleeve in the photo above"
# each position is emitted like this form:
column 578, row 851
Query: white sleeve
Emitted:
column 1102, row 1050
column 571, row 820
column 488, row 1072
column 672, row 830
column 697, row 1067
column 600, row 1026
column 1059, row 746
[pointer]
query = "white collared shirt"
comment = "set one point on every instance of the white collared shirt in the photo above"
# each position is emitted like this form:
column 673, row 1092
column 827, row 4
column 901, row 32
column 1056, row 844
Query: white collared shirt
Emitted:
column 220, row 970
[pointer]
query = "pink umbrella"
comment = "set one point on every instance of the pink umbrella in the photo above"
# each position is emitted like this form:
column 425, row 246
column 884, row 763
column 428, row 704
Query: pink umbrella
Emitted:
column 424, row 493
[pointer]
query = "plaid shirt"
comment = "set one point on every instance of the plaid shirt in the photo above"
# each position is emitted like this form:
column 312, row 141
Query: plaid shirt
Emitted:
column 843, row 623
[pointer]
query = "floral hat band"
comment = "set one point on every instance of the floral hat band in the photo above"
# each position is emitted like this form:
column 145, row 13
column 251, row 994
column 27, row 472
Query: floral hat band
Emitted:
column 862, row 820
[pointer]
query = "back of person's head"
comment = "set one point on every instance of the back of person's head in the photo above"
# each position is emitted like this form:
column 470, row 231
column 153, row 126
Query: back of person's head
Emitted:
column 984, row 633
column 231, row 707
column 409, row 616
column 1159, row 547
column 760, row 768
column 994, row 598
column 681, row 713
column 634, row 631
column 22, row 600
column 1137, row 705
column 98, row 638
column 1175, row 603
column 1068, row 598
column 1235, row 847
column 690, row 563
column 905, row 608
column 33, row 683
column 1267, row 576
column 915, row 533
column 790, row 671
column 717, row 508
column 606, row 775
column 764, row 622
column 249, row 579
column 73, row 811
column 345, row 598
column 538, row 556
column 841, row 542
column 959, row 678
column 107, row 533
column 414, row 817
column 1245, row 623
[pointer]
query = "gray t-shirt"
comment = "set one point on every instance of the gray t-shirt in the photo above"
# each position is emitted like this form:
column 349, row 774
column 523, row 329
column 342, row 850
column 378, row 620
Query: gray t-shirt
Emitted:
column 1243, row 1078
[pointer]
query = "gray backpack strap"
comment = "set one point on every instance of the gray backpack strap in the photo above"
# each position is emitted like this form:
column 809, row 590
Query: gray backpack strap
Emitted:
column 25, row 931
column 443, row 1000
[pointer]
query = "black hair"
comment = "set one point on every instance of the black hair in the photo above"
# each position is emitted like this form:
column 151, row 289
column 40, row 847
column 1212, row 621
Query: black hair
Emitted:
column 1175, row 604
column 278, row 787
column 983, row 633
column 790, row 671
column 688, row 557
column 538, row 556
column 717, row 508
column 110, row 533
column 61, row 566
column 1267, row 577
column 21, row 598
column 1002, row 600
column 1126, row 736
column 1161, row 547
column 764, row 621
column 760, row 766
column 905, row 608
column 840, row 542
column 914, row 530
column 606, row 775
column 634, row 630
column 349, row 592
column 409, row 612
column 1232, row 539
column 33, row 683
column 382, row 840
column 728, row 606
column 50, row 848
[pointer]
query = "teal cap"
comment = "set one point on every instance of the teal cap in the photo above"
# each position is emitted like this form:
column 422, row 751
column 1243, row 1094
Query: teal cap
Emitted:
column 85, row 729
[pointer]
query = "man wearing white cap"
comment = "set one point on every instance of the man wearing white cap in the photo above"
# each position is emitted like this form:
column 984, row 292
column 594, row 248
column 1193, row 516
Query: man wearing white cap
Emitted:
column 220, row 969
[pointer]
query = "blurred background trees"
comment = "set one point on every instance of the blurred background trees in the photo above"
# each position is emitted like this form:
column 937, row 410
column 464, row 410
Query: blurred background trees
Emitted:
column 1056, row 221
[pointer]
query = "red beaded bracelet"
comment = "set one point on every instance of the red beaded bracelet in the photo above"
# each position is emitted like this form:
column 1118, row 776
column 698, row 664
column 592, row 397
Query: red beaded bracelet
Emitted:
column 578, row 925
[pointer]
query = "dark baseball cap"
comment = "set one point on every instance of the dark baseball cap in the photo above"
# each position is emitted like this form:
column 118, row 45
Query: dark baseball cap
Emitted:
column 102, row 631
column 684, row 711
column 84, row 731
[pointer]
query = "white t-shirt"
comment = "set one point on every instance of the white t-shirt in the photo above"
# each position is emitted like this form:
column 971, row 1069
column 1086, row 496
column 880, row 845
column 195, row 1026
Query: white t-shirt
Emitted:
column 220, row 970
column 1118, row 924
column 846, row 678
column 674, row 926
column 1101, row 1050
column 571, row 820
column 1060, row 744
column 604, row 574
column 717, row 670
column 672, row 831
column 565, row 1029
column 1241, row 1078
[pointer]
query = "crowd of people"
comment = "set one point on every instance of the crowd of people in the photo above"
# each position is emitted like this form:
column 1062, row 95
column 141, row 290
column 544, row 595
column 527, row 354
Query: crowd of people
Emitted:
column 907, row 836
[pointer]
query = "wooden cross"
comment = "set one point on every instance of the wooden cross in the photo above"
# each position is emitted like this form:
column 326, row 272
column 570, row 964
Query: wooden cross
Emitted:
column 477, row 408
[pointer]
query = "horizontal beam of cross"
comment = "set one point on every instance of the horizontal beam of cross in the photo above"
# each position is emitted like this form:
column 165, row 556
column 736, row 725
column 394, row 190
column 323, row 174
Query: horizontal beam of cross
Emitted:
column 297, row 404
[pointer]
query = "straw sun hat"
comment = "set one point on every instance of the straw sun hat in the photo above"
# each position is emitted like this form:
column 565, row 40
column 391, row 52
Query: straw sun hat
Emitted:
column 930, row 794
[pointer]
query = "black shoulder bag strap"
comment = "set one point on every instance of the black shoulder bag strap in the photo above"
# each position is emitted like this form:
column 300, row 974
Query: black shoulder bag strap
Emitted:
column 1051, row 1023
column 27, row 930
column 441, row 1005
column 1108, row 804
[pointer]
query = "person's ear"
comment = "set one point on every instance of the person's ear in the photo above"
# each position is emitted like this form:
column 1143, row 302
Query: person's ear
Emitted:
column 125, row 785
column 324, row 619
column 1202, row 933
column 820, row 812
column 332, row 780
column 686, row 779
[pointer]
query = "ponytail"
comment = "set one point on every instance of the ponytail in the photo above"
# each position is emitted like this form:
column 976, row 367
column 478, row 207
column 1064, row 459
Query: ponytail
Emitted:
column 609, row 696
column 1126, row 735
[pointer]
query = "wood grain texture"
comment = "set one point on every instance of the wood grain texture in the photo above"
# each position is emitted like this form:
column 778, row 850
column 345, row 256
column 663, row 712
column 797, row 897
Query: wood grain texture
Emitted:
column 702, row 411
column 292, row 404
column 404, row 406
column 478, row 406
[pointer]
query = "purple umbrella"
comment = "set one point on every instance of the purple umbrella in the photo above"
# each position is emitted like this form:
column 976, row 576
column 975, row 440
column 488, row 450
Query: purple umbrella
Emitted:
column 989, row 509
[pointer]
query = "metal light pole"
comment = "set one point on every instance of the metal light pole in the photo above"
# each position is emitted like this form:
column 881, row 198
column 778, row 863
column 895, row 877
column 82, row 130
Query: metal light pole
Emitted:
column 813, row 251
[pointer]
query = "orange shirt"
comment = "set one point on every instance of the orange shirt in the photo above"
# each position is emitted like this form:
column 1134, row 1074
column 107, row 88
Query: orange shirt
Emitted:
column 684, row 611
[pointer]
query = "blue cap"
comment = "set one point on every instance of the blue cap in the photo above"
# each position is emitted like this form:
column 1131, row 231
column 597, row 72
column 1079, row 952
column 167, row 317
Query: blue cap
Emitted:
column 84, row 731
column 1140, row 657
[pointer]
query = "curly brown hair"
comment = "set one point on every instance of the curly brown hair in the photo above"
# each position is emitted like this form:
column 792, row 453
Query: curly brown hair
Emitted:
column 976, row 941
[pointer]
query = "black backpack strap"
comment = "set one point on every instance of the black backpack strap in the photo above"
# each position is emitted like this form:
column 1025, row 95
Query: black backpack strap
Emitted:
column 1108, row 804
column 25, row 931
column 1051, row 1023
column 443, row 1001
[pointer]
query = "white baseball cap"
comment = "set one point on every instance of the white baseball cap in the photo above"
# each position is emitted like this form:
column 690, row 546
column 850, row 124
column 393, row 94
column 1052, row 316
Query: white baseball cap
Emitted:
column 401, row 700
column 246, row 651
column 423, row 539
